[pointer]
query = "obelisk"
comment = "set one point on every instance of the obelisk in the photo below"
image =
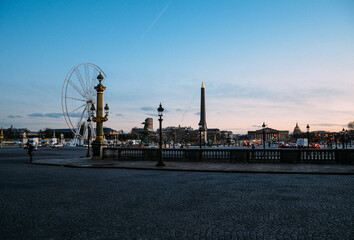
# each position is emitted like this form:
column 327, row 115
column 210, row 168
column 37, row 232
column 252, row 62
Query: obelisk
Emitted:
column 202, row 123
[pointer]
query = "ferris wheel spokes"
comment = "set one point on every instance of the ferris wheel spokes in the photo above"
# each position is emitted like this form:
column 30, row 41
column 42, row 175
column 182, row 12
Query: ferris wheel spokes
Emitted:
column 77, row 89
column 77, row 99
column 79, row 77
column 78, row 94
column 83, row 105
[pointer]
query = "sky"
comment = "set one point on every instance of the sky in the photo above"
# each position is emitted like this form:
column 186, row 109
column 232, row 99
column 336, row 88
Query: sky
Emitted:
column 275, row 61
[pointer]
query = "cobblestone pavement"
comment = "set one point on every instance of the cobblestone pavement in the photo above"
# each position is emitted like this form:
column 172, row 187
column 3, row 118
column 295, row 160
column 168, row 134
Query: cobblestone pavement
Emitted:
column 50, row 202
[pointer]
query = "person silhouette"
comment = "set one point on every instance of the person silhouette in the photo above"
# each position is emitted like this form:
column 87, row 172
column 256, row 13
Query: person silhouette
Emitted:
column 30, row 152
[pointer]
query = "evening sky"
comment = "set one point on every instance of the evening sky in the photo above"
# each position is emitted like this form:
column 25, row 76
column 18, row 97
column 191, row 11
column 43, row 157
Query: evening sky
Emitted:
column 280, row 62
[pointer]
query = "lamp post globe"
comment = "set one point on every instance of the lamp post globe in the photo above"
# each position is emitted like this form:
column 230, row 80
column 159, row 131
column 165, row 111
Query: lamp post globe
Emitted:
column 160, row 162
column 106, row 109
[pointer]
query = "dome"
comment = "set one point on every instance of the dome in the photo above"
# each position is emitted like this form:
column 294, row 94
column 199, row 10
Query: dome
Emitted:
column 297, row 129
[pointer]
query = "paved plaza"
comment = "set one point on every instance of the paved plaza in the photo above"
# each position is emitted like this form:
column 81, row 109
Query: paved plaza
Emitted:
column 53, row 202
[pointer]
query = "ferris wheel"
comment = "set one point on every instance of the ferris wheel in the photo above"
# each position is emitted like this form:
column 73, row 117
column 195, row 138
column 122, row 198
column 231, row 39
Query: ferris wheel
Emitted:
column 78, row 94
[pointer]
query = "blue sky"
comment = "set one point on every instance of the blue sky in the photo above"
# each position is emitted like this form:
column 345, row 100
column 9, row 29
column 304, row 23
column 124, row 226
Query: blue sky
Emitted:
column 280, row 62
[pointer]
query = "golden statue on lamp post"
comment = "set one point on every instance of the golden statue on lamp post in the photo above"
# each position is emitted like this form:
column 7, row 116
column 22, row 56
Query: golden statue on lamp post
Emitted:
column 100, row 142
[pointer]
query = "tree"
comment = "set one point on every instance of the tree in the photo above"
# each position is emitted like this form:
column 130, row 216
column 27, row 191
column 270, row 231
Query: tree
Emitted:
column 351, row 125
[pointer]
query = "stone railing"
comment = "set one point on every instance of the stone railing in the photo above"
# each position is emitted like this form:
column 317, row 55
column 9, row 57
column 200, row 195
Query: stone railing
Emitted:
column 234, row 155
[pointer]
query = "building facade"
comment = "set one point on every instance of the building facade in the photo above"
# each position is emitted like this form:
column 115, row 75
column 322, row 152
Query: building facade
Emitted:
column 270, row 135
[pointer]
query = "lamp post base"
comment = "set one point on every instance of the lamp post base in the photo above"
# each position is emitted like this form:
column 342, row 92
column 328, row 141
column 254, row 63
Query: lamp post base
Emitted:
column 97, row 149
column 160, row 164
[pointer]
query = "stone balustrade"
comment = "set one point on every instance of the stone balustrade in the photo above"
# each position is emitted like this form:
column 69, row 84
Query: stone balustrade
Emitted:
column 328, row 156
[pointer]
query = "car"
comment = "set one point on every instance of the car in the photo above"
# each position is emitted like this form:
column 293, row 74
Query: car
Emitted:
column 315, row 145
column 58, row 145
column 149, row 145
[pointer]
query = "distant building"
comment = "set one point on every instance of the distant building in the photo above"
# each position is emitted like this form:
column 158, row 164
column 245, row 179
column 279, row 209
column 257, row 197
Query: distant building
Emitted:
column 270, row 134
column 297, row 130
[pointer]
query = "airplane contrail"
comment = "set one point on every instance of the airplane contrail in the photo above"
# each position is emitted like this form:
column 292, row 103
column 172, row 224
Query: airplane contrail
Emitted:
column 153, row 23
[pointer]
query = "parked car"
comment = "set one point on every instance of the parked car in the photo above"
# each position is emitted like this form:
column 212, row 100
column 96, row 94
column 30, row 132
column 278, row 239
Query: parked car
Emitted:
column 149, row 145
column 315, row 145
column 58, row 145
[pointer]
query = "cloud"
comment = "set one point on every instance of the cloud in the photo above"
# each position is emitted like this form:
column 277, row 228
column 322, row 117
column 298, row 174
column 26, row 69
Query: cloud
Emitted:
column 119, row 115
column 151, row 114
column 256, row 126
column 148, row 109
column 49, row 115
column 12, row 116
column 151, row 109
column 179, row 110
column 197, row 113
column 54, row 115
column 36, row 115
column 77, row 114
column 328, row 124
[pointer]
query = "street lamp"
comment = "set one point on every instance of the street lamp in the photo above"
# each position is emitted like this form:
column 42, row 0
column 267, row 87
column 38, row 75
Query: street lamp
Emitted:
column 2, row 137
column 308, row 135
column 88, row 134
column 263, row 127
column 343, row 141
column 200, row 136
column 335, row 140
column 99, row 142
column 160, row 163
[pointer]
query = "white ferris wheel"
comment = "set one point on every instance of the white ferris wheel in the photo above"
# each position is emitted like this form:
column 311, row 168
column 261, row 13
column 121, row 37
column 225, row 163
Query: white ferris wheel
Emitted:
column 78, row 94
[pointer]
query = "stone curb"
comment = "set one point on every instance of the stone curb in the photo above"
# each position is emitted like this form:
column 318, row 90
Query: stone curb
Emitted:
column 189, row 170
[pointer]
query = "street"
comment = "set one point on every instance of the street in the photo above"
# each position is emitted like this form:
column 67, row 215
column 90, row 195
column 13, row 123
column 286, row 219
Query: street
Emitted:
column 51, row 202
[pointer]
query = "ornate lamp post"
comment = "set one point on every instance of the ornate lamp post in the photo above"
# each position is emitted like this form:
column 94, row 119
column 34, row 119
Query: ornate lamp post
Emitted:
column 308, row 135
column 99, row 142
column 263, row 128
column 335, row 139
column 343, row 141
column 2, row 137
column 160, row 163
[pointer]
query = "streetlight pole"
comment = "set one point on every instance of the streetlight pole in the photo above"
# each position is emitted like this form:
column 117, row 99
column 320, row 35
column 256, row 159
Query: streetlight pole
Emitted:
column 308, row 135
column 88, row 135
column 335, row 139
column 343, row 141
column 160, row 162
column 99, row 142
column 263, row 127
column 2, row 137
column 200, row 136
